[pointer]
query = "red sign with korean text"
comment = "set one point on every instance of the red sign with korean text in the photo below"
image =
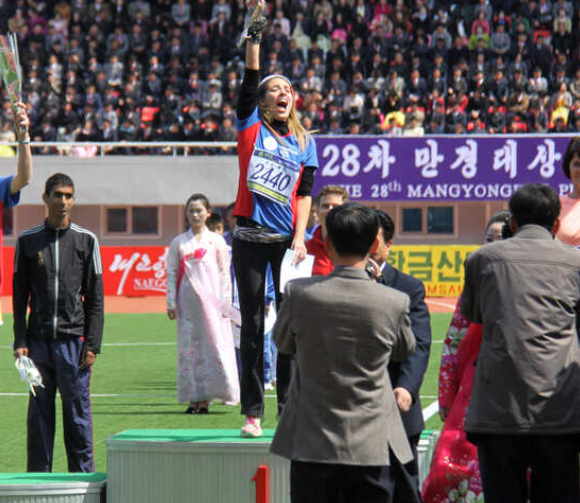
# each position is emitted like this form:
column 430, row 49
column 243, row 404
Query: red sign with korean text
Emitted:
column 133, row 271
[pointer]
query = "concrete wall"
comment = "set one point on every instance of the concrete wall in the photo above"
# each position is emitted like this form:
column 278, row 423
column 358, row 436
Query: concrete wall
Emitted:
column 167, row 182
column 171, row 223
column 135, row 180
column 469, row 222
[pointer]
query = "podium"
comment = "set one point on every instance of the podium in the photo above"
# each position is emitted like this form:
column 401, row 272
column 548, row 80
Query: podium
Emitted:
column 152, row 466
column 52, row 487
column 217, row 466
column 425, row 451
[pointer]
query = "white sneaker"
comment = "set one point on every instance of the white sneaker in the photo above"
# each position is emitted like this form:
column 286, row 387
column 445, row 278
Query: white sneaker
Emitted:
column 252, row 428
column 269, row 386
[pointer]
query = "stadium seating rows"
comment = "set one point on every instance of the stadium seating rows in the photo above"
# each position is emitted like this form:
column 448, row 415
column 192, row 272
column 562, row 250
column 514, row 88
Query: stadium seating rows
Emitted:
column 154, row 70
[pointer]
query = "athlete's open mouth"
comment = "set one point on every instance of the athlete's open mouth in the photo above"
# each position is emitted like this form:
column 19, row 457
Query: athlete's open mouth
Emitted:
column 282, row 105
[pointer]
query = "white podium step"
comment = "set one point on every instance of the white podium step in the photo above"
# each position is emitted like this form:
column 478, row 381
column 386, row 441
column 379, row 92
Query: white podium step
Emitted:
column 425, row 450
column 52, row 487
column 217, row 466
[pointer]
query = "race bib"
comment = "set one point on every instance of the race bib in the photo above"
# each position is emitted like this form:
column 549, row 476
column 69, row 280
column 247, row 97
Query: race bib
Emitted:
column 272, row 176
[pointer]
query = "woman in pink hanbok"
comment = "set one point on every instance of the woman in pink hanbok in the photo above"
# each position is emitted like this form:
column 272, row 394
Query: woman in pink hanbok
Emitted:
column 454, row 473
column 199, row 294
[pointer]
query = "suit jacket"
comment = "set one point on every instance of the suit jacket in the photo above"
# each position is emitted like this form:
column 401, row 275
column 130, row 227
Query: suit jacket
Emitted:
column 419, row 88
column 409, row 373
column 343, row 330
column 526, row 293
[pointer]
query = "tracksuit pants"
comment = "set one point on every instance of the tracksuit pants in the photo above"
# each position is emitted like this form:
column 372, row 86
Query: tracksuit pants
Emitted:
column 58, row 362
column 250, row 264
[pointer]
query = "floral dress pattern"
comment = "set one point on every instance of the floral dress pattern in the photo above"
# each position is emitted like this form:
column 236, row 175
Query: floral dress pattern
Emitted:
column 448, row 375
column 454, row 474
column 198, row 285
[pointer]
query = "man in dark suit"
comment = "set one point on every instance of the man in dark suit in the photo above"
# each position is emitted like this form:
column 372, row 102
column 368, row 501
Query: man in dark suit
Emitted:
column 416, row 85
column 341, row 427
column 406, row 376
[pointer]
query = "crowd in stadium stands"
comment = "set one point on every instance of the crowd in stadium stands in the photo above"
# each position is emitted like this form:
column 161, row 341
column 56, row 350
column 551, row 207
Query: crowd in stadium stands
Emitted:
column 149, row 70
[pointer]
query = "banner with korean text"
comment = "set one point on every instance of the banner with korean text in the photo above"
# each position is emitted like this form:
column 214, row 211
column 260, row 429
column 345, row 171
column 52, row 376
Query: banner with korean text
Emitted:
column 439, row 267
column 134, row 270
column 137, row 271
column 445, row 168
column 127, row 270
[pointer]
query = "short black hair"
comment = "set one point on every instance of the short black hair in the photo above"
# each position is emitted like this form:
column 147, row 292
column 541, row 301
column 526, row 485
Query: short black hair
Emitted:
column 214, row 220
column 535, row 203
column 352, row 229
column 56, row 180
column 572, row 149
column 499, row 216
column 228, row 208
column 387, row 224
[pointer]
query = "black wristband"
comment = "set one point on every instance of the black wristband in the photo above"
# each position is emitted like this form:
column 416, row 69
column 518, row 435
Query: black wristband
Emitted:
column 256, row 29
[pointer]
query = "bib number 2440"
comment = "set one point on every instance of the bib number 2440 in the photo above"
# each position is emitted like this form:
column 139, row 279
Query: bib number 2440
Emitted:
column 272, row 176
column 276, row 179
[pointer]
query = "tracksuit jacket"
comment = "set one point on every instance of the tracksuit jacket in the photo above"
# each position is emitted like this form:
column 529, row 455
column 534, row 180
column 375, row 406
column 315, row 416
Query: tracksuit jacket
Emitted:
column 59, row 272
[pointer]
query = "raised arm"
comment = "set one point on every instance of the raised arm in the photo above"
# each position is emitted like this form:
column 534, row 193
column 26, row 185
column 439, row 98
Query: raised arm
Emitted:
column 24, row 169
column 255, row 29
column 253, row 53
column 248, row 99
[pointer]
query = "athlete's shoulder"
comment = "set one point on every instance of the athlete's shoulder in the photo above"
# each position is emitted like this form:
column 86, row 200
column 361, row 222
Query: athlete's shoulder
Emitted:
column 31, row 232
column 77, row 229
column 253, row 119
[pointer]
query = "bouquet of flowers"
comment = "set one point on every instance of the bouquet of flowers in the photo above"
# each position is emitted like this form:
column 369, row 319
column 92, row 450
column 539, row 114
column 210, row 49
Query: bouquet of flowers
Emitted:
column 255, row 22
column 10, row 68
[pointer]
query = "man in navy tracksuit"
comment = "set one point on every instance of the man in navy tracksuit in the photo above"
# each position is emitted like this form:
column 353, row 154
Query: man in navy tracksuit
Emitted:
column 58, row 274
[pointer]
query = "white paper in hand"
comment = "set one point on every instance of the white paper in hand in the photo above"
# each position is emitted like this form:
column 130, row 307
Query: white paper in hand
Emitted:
column 289, row 271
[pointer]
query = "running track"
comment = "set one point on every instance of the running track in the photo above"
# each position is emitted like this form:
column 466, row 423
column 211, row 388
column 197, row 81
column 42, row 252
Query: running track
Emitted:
column 156, row 304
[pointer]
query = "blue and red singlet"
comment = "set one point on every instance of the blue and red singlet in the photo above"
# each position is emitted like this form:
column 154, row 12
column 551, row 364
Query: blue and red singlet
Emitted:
column 270, row 173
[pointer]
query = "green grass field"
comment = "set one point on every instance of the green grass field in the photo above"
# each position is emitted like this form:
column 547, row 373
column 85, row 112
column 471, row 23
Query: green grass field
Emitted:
column 134, row 386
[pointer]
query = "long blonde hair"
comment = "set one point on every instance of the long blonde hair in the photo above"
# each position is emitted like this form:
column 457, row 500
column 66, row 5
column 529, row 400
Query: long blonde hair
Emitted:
column 293, row 121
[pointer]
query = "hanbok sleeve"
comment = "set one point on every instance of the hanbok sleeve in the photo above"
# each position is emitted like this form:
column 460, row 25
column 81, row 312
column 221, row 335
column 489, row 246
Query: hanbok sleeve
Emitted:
column 173, row 260
column 448, row 373
column 223, row 261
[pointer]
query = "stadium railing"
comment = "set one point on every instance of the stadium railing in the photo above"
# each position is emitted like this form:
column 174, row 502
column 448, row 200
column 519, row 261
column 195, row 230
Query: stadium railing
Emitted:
column 64, row 147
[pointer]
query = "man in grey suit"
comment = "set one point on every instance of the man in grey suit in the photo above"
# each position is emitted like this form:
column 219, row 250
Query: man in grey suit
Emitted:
column 525, row 404
column 341, row 417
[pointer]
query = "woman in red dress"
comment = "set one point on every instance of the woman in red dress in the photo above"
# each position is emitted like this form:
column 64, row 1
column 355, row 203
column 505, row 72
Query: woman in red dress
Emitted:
column 454, row 474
